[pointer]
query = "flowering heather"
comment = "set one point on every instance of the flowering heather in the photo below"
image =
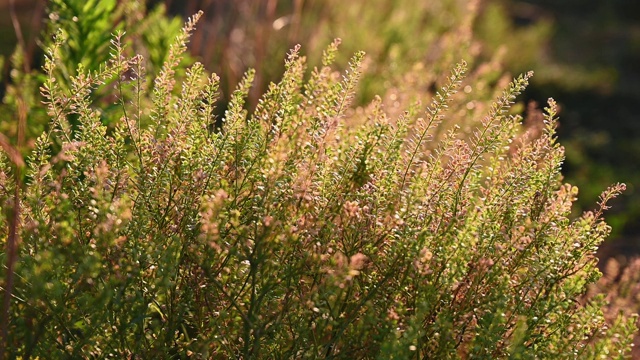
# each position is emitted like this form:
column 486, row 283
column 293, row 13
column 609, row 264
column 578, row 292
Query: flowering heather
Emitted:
column 304, row 228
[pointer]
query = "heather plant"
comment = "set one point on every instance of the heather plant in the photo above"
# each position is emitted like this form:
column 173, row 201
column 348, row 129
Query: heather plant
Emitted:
column 396, row 34
column 306, row 228
column 400, row 35
column 86, row 28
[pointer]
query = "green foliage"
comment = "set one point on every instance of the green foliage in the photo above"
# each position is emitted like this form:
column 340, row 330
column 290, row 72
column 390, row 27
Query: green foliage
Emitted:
column 307, row 228
column 20, row 104
column 87, row 26
column 80, row 32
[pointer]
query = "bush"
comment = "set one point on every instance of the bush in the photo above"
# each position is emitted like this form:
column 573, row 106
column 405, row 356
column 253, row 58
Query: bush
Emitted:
column 307, row 228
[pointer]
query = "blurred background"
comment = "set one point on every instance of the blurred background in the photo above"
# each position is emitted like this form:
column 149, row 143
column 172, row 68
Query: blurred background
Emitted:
column 585, row 54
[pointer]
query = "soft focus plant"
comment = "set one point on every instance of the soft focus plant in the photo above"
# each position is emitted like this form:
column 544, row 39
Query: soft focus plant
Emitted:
column 306, row 228
column 621, row 286
column 396, row 34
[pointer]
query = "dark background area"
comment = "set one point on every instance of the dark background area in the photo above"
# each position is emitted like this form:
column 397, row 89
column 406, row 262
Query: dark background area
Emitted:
column 599, row 125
